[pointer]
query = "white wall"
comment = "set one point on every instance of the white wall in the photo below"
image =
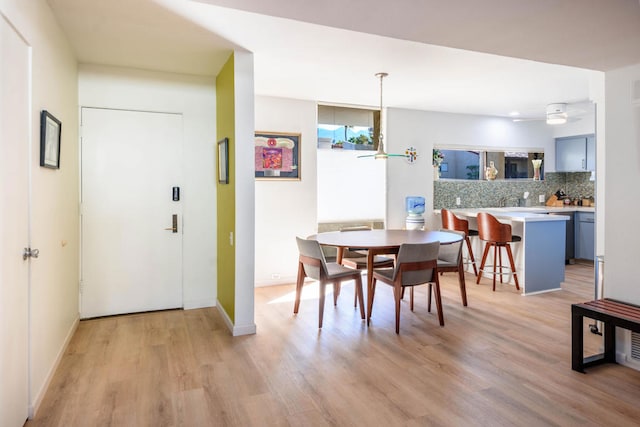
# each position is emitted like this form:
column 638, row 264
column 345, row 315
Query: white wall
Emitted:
column 194, row 98
column 285, row 209
column 244, row 193
column 622, row 176
column 54, row 220
column 350, row 188
column 425, row 129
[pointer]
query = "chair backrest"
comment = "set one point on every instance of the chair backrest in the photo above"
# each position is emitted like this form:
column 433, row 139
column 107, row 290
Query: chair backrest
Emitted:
column 452, row 252
column 451, row 222
column 310, row 250
column 490, row 229
column 352, row 252
column 356, row 228
column 417, row 262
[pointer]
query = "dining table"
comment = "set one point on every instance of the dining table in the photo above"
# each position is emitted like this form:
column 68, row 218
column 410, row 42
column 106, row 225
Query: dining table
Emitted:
column 380, row 242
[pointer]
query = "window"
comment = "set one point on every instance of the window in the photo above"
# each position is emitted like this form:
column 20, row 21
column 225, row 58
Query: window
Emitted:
column 347, row 128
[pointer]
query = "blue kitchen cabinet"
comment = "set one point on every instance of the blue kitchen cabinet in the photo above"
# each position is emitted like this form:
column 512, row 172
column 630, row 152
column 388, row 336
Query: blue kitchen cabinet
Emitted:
column 585, row 235
column 576, row 153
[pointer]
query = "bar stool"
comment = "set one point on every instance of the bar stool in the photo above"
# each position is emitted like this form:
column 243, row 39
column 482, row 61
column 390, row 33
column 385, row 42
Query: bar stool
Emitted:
column 496, row 235
column 451, row 222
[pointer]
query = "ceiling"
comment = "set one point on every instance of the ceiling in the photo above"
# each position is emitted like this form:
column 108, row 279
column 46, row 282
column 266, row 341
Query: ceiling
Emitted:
column 329, row 51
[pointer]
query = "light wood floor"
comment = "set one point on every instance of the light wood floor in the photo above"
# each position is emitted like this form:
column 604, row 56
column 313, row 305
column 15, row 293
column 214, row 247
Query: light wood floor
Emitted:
column 502, row 361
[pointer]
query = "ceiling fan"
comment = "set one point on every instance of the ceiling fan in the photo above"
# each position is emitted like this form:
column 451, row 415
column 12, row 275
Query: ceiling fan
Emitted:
column 558, row 114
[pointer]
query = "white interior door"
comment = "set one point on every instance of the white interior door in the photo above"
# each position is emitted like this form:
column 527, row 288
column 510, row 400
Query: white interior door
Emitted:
column 131, row 160
column 14, row 226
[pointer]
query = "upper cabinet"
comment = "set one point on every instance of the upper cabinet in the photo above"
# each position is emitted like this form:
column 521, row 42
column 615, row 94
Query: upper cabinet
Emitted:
column 576, row 153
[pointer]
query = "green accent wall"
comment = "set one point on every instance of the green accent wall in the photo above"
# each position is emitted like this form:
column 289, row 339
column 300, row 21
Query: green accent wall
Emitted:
column 226, row 194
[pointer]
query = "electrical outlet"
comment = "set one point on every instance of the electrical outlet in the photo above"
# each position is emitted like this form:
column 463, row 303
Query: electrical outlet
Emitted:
column 231, row 238
column 541, row 198
column 457, row 201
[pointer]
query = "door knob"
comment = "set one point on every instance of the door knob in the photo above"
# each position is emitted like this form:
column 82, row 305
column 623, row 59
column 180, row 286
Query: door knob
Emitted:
column 30, row 253
column 174, row 222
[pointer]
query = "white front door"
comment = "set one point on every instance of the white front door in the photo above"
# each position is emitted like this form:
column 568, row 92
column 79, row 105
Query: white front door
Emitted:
column 131, row 160
column 14, row 226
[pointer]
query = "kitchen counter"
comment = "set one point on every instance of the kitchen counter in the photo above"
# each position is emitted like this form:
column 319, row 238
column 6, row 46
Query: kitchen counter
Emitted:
column 523, row 214
column 540, row 256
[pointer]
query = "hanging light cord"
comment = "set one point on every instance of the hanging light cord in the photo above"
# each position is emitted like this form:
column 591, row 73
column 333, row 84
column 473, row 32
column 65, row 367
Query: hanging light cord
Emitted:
column 381, row 154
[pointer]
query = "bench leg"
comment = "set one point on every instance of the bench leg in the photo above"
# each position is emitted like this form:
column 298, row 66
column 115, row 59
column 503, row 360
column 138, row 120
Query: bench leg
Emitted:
column 609, row 343
column 577, row 339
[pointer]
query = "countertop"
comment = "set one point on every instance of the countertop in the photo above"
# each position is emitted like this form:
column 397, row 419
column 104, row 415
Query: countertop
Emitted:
column 524, row 214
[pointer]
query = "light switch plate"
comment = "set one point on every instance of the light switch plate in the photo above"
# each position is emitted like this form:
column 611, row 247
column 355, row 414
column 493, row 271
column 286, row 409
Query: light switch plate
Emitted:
column 457, row 201
column 541, row 198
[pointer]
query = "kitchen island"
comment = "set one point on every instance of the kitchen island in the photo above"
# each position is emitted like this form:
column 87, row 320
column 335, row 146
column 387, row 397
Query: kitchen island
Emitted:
column 540, row 256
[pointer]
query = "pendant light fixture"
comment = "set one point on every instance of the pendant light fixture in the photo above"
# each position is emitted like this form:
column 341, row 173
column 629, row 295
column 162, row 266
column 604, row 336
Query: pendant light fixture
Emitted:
column 381, row 154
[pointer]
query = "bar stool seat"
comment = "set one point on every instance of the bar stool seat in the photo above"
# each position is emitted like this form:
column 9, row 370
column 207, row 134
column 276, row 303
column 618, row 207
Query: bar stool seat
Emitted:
column 451, row 222
column 498, row 236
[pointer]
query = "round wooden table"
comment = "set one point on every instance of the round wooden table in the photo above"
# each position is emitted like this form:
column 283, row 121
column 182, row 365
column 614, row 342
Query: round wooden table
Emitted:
column 378, row 242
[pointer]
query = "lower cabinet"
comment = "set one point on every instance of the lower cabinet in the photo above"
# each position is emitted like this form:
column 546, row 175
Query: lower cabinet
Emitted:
column 584, row 235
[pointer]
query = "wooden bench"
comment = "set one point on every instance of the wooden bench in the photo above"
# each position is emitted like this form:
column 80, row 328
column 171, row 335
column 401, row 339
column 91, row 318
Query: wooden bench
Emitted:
column 612, row 313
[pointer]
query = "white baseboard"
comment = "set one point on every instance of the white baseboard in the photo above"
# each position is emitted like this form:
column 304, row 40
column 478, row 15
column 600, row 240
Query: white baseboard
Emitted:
column 34, row 405
column 626, row 360
column 190, row 305
column 542, row 292
column 284, row 280
column 236, row 330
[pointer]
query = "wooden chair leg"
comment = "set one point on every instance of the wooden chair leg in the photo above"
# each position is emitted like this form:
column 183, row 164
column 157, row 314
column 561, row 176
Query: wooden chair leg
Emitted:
column 322, row 288
column 471, row 257
column 429, row 298
column 360, row 295
column 436, row 289
column 355, row 299
column 463, row 285
column 396, row 295
column 500, row 263
column 410, row 298
column 495, row 261
column 299, row 283
column 484, row 260
column 370, row 296
column 336, row 293
column 513, row 266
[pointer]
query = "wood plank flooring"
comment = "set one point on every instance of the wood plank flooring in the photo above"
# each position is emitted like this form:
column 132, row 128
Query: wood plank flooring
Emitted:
column 502, row 361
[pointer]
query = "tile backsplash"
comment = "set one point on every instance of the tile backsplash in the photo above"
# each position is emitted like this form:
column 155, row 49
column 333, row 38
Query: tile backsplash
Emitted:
column 482, row 194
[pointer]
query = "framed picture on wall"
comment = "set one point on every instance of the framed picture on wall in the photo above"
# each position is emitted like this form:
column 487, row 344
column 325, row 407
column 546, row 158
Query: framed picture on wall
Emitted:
column 50, row 133
column 277, row 156
column 223, row 161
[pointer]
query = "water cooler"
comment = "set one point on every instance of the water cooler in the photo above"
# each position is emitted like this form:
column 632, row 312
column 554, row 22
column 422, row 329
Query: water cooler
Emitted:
column 415, row 208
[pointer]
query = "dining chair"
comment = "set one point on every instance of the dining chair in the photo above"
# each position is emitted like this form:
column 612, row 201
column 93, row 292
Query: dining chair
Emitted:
column 496, row 235
column 451, row 222
column 356, row 258
column 416, row 264
column 450, row 261
column 312, row 264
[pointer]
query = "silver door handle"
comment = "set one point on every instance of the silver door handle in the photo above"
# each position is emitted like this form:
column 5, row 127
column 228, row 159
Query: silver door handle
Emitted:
column 174, row 222
column 30, row 253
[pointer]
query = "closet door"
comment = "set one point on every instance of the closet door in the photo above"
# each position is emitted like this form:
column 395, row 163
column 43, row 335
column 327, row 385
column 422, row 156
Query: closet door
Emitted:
column 14, row 226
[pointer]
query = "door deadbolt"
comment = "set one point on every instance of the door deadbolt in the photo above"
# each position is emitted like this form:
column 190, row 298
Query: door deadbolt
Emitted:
column 174, row 222
column 30, row 253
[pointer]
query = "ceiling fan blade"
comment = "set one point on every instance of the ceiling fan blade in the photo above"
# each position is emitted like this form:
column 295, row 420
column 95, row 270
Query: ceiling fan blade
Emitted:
column 530, row 119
